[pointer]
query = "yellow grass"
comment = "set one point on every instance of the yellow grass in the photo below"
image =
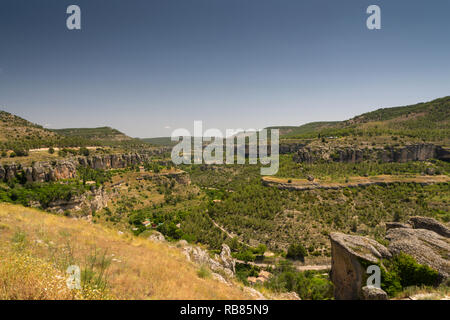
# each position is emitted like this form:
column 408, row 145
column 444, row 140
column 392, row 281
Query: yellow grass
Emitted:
column 36, row 247
column 355, row 181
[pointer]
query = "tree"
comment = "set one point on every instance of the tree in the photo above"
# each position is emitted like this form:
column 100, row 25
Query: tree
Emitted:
column 51, row 150
column 296, row 251
column 84, row 151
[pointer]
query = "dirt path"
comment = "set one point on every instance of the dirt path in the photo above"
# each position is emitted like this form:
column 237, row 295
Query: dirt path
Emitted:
column 226, row 232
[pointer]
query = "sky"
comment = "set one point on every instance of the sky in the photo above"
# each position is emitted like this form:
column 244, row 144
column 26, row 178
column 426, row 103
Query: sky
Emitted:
column 147, row 67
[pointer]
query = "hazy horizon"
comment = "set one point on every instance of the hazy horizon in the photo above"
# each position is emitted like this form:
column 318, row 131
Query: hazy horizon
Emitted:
column 149, row 67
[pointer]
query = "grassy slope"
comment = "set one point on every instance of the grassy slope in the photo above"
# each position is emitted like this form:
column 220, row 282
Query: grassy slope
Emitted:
column 35, row 248
column 101, row 133
column 14, row 128
column 428, row 120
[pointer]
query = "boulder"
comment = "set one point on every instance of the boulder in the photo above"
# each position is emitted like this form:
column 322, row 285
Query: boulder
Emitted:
column 373, row 293
column 393, row 225
column 157, row 237
column 426, row 246
column 223, row 264
column 430, row 224
column 347, row 272
column 226, row 258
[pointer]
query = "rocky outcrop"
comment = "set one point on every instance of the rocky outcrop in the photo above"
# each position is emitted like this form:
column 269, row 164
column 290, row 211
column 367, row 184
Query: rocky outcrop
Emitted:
column 347, row 272
column 416, row 152
column 423, row 243
column 430, row 224
column 425, row 239
column 66, row 169
column 373, row 293
column 157, row 237
column 88, row 202
column 224, row 263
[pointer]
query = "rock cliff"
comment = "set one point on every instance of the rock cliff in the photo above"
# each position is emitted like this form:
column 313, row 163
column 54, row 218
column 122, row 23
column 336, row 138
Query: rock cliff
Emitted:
column 416, row 152
column 66, row 169
column 425, row 239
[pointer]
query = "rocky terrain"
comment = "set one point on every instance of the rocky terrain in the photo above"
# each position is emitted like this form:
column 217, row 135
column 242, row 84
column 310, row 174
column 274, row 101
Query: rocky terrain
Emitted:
column 425, row 239
column 415, row 152
column 66, row 169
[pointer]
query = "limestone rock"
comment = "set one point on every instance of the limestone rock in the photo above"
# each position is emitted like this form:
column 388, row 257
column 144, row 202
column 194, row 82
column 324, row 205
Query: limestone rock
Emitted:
column 426, row 246
column 157, row 237
column 227, row 260
column 393, row 225
column 222, row 264
column 347, row 273
column 430, row 224
column 373, row 293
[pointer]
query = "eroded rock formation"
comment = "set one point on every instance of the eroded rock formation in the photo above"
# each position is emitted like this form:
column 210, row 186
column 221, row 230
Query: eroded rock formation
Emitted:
column 347, row 272
column 425, row 239
column 416, row 152
column 66, row 169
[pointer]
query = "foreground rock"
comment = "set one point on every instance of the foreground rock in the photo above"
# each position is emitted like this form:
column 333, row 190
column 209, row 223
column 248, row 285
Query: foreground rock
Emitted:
column 223, row 264
column 347, row 272
column 423, row 243
column 373, row 293
column 430, row 224
column 422, row 238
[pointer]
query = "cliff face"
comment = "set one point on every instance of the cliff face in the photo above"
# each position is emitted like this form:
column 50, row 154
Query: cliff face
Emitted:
column 87, row 203
column 66, row 169
column 417, row 152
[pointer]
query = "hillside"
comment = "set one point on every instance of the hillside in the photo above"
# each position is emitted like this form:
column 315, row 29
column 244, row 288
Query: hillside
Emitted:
column 420, row 122
column 104, row 134
column 15, row 130
column 37, row 247
column 160, row 141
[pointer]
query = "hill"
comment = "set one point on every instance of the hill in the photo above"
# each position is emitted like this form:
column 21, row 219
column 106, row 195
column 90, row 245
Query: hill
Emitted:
column 36, row 248
column 423, row 121
column 104, row 134
column 160, row 141
column 16, row 131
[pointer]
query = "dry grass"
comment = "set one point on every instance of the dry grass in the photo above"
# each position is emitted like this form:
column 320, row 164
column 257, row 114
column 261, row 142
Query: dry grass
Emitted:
column 356, row 181
column 35, row 248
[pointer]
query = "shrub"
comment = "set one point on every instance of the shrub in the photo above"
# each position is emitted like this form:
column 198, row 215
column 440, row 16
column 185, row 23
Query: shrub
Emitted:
column 51, row 150
column 296, row 251
column 412, row 273
column 84, row 151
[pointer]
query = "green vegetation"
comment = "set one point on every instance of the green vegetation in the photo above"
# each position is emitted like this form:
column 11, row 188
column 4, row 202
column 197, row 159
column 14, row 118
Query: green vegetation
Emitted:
column 43, row 193
column 426, row 121
column 338, row 171
column 309, row 285
column 296, row 251
column 403, row 271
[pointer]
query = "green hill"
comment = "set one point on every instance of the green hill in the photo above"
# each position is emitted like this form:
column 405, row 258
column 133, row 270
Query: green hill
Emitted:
column 18, row 133
column 424, row 121
column 106, row 134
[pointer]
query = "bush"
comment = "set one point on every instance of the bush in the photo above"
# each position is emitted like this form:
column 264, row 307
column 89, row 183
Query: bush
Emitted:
column 412, row 273
column 309, row 285
column 84, row 151
column 51, row 150
column 21, row 152
column 296, row 251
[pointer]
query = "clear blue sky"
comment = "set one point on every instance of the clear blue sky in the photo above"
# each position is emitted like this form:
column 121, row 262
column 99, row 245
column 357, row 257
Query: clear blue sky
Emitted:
column 142, row 65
